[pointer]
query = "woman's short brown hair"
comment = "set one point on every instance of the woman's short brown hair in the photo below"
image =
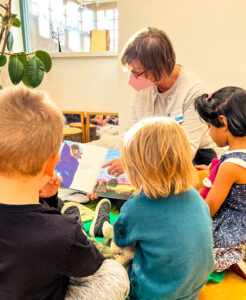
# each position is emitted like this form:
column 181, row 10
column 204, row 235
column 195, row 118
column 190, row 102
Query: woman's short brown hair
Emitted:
column 153, row 49
column 156, row 157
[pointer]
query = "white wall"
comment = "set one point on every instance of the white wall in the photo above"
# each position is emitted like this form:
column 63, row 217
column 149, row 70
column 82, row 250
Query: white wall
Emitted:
column 86, row 83
column 209, row 38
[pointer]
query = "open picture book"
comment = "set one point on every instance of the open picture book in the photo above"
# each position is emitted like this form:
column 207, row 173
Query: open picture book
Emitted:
column 81, row 169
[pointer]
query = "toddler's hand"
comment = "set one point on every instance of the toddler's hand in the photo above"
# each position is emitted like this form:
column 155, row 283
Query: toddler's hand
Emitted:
column 51, row 187
column 92, row 196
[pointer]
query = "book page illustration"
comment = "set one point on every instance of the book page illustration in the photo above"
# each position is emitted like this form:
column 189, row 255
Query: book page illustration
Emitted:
column 109, row 186
column 79, row 165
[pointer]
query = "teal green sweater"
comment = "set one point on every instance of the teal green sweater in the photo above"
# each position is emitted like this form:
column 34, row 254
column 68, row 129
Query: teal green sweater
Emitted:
column 173, row 236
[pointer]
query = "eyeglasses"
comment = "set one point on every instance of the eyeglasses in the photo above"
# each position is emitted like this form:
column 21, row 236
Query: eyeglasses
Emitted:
column 136, row 75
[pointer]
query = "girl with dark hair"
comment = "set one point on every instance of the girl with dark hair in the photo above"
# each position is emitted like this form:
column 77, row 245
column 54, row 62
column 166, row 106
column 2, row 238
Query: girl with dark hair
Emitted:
column 225, row 113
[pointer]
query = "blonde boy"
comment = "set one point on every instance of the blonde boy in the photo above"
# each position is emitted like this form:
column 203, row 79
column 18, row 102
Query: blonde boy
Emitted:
column 40, row 248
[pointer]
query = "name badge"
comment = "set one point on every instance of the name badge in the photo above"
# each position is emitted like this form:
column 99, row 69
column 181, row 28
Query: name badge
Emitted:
column 177, row 116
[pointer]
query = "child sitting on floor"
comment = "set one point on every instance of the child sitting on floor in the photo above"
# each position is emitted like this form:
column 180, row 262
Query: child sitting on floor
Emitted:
column 225, row 113
column 167, row 220
column 40, row 248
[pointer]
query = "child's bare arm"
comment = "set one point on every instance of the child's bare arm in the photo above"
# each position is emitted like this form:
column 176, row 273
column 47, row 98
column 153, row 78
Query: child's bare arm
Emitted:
column 228, row 174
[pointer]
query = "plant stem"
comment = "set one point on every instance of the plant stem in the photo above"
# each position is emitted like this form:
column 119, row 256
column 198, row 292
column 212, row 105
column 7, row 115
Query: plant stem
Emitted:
column 4, row 43
column 2, row 31
column 7, row 7
column 1, row 34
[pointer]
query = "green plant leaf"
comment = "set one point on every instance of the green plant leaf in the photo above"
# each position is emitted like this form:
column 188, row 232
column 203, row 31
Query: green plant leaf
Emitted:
column 16, row 70
column 35, row 71
column 12, row 56
column 25, row 79
column 13, row 16
column 45, row 58
column 4, row 19
column 22, row 58
column 3, row 60
column 10, row 40
column 16, row 22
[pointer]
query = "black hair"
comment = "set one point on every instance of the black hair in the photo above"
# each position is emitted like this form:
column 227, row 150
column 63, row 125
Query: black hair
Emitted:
column 229, row 102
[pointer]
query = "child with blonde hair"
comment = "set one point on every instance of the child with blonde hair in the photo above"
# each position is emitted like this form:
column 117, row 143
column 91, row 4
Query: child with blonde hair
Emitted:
column 225, row 113
column 166, row 219
column 40, row 248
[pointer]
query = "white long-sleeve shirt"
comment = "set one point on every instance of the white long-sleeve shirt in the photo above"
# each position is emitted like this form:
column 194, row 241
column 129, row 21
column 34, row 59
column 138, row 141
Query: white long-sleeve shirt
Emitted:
column 177, row 103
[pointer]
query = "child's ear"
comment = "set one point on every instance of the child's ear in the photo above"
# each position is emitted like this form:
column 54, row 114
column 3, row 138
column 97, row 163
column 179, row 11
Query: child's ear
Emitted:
column 51, row 164
column 223, row 121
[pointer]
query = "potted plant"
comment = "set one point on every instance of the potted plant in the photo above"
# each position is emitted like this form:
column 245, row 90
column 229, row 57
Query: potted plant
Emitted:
column 26, row 67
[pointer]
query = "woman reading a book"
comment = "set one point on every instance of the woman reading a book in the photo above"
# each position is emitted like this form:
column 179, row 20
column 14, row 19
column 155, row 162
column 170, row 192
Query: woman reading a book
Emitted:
column 164, row 88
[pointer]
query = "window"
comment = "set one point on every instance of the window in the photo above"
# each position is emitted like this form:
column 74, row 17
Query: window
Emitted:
column 69, row 21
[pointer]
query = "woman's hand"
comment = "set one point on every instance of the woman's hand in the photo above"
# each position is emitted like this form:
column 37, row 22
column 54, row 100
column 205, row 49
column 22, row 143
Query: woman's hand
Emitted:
column 51, row 187
column 115, row 167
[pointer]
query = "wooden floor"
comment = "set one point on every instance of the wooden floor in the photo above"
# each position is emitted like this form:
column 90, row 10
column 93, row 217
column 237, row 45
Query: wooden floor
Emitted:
column 232, row 287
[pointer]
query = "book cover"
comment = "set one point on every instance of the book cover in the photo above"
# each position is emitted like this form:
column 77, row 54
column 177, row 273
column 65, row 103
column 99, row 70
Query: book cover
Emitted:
column 80, row 166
